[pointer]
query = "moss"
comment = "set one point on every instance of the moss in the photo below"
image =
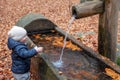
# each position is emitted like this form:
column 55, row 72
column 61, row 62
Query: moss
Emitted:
column 118, row 60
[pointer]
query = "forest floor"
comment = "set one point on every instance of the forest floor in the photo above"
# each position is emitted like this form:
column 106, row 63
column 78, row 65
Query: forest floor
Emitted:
column 58, row 11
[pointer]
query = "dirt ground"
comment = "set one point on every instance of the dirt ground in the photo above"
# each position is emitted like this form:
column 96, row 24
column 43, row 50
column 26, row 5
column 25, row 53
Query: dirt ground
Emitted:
column 58, row 11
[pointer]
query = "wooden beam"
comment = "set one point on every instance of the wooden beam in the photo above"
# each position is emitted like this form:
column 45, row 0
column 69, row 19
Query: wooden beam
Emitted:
column 81, row 1
column 108, row 25
column 87, row 8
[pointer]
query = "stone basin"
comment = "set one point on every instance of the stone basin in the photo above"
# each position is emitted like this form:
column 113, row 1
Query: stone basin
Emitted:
column 83, row 64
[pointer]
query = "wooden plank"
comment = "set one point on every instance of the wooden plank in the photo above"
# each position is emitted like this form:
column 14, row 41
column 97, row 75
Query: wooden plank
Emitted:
column 108, row 25
column 87, row 9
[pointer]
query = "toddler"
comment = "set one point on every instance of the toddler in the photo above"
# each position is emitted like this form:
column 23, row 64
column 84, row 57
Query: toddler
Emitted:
column 20, row 53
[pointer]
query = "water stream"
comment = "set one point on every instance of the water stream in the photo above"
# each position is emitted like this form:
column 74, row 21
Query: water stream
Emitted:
column 59, row 63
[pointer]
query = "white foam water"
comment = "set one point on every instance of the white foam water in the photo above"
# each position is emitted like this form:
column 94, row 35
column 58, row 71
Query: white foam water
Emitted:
column 59, row 63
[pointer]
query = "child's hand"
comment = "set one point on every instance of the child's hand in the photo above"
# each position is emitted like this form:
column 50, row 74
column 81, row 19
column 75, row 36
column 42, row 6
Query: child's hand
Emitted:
column 39, row 49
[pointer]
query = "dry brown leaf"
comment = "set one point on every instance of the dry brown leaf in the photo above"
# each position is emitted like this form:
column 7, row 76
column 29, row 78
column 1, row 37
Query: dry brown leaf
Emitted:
column 112, row 73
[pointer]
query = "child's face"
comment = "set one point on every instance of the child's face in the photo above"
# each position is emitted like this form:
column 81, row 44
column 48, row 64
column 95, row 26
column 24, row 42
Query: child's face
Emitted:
column 23, row 39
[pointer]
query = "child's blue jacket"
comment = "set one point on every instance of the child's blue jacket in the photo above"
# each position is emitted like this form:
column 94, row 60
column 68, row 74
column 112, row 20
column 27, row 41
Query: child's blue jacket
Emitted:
column 20, row 56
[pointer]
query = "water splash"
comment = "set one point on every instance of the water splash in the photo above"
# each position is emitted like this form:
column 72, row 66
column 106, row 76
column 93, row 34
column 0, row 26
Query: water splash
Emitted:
column 59, row 63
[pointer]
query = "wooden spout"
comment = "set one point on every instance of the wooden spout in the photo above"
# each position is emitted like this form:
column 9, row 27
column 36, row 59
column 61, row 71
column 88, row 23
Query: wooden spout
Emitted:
column 87, row 9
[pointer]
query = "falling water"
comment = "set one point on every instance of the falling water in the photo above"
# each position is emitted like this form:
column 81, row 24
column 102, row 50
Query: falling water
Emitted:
column 59, row 63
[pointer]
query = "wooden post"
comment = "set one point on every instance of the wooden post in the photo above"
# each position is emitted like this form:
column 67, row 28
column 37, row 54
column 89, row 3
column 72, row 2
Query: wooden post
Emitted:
column 108, row 25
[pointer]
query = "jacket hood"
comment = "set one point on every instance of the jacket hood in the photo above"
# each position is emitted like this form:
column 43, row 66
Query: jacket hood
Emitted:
column 12, row 43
